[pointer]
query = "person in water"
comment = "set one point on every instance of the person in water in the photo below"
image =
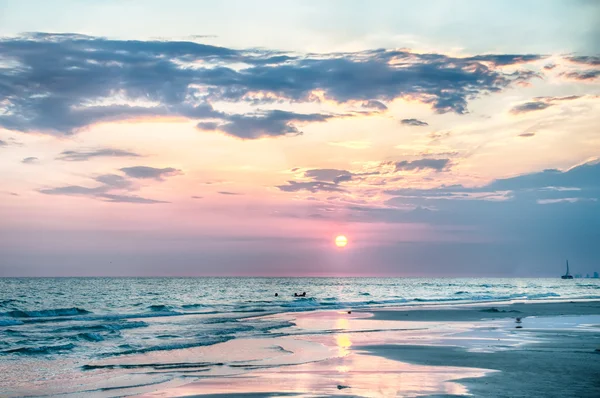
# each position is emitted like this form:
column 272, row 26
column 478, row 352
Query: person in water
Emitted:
column 276, row 294
column 300, row 295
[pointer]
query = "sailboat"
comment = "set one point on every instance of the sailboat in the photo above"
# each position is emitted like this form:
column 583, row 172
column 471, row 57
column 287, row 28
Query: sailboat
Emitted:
column 567, row 275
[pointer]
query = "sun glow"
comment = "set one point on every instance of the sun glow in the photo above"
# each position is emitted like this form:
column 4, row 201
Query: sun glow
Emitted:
column 341, row 241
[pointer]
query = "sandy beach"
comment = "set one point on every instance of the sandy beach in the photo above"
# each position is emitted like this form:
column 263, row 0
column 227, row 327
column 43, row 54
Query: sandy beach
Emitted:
column 479, row 350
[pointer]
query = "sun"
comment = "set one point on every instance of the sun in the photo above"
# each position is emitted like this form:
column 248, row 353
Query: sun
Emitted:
column 341, row 241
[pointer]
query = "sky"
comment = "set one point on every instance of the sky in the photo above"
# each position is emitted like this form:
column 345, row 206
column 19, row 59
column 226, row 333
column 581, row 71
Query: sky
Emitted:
column 192, row 138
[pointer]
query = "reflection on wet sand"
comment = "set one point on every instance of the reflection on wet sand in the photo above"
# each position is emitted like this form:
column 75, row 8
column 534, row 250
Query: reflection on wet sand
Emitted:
column 348, row 371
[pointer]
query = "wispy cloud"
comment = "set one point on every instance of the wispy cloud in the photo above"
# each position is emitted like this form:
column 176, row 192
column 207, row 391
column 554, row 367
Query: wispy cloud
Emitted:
column 419, row 164
column 84, row 155
column 30, row 160
column 229, row 193
column 414, row 122
column 113, row 187
column 583, row 75
column 541, row 103
column 310, row 186
column 146, row 172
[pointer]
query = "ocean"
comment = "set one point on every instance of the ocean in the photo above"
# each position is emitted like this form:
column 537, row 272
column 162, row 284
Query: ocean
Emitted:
column 53, row 330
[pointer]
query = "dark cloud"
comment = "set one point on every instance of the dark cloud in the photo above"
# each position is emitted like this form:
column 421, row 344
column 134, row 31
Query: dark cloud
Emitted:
column 30, row 160
column 128, row 199
column 311, row 186
column 150, row 172
column 79, row 156
column 585, row 59
column 581, row 181
column 380, row 106
column 228, row 193
column 197, row 197
column 566, row 98
column 265, row 124
column 549, row 66
column 541, row 103
column 530, row 107
column 526, row 134
column 3, row 143
column 413, row 122
column 582, row 75
column 507, row 59
column 328, row 175
column 74, row 190
column 419, row 164
column 57, row 81
column 114, row 182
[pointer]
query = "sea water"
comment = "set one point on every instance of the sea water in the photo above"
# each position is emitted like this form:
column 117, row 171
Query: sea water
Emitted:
column 59, row 326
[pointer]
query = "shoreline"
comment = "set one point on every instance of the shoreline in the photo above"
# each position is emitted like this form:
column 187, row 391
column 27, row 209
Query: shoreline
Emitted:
column 452, row 350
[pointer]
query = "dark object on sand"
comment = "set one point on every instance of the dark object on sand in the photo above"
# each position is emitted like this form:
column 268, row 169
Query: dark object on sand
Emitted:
column 495, row 310
column 340, row 387
column 349, row 312
column 567, row 275
column 300, row 295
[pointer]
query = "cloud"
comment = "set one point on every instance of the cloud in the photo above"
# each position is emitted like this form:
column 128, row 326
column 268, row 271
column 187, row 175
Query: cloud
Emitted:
column 263, row 124
column 3, row 143
column 80, row 156
column 146, row 172
column 310, row 186
column 196, row 197
column 109, row 183
column 413, row 122
column 526, row 134
column 128, row 199
column 228, row 193
column 73, row 190
column 30, row 160
column 329, row 175
column 372, row 104
column 530, row 107
column 419, row 164
column 541, row 103
column 507, row 59
column 549, row 66
column 547, row 184
column 114, row 181
column 63, row 83
column 585, row 59
column 582, row 75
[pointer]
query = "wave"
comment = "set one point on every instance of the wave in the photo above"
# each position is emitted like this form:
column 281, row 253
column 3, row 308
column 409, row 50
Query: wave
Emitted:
column 159, row 307
column 219, row 320
column 48, row 313
column 156, row 366
column 542, row 295
column 41, row 349
column 90, row 336
column 10, row 322
column 4, row 303
column 186, row 306
column 175, row 346
column 111, row 327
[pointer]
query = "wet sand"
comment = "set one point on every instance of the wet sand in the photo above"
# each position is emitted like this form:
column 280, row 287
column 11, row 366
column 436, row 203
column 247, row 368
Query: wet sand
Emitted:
column 458, row 350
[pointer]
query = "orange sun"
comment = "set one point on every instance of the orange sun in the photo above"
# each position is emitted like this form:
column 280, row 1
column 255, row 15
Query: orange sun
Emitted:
column 341, row 241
